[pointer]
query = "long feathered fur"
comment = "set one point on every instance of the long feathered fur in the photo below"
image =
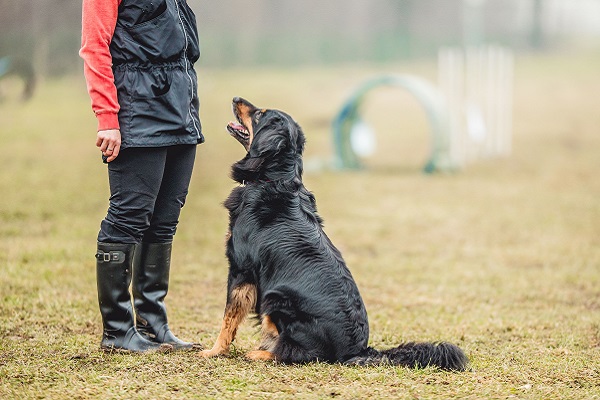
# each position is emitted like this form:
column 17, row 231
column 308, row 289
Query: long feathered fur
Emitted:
column 415, row 355
column 306, row 296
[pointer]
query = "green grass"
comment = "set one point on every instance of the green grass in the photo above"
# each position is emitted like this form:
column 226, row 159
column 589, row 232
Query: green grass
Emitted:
column 502, row 259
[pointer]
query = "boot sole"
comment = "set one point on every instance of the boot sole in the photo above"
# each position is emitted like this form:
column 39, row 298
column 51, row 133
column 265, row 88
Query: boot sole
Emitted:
column 163, row 348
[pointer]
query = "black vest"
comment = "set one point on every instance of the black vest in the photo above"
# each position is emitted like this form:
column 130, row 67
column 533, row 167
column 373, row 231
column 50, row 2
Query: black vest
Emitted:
column 153, row 49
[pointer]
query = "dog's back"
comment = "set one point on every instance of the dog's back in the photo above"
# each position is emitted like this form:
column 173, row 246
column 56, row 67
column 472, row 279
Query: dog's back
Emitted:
column 304, row 284
column 284, row 267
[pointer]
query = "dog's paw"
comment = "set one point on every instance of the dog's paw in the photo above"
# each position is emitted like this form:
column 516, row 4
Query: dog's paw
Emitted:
column 212, row 353
column 260, row 355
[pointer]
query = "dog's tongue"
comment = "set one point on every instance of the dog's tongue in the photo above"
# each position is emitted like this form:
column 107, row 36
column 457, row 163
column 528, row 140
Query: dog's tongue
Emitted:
column 237, row 126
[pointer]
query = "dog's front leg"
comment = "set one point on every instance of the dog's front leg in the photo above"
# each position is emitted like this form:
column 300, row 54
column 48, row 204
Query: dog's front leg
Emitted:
column 240, row 302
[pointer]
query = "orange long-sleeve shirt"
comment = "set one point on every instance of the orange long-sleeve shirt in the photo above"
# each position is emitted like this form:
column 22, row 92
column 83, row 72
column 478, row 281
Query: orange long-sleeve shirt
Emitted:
column 99, row 19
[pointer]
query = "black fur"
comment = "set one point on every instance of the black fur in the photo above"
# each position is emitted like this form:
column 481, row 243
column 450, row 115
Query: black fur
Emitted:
column 277, row 243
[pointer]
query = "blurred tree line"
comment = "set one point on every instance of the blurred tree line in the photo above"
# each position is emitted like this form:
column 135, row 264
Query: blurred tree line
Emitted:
column 43, row 33
column 316, row 31
column 46, row 33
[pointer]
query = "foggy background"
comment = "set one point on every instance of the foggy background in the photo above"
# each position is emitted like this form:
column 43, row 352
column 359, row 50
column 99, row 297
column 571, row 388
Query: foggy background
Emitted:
column 46, row 33
column 501, row 257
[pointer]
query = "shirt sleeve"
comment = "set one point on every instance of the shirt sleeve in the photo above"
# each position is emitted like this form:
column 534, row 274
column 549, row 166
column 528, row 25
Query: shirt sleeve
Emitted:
column 99, row 18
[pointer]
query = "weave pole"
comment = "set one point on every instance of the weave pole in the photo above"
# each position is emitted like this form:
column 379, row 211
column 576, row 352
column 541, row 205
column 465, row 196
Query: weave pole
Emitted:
column 477, row 84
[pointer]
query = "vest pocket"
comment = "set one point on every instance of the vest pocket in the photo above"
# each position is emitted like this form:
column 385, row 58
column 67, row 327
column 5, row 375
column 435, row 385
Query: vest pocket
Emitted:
column 149, row 83
column 152, row 11
column 159, row 39
column 154, row 115
column 135, row 12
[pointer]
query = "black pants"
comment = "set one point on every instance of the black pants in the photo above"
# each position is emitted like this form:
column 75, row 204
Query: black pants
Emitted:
column 148, row 187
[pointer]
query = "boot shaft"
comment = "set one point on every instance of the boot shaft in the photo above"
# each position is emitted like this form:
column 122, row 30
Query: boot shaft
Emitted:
column 113, row 278
column 151, row 269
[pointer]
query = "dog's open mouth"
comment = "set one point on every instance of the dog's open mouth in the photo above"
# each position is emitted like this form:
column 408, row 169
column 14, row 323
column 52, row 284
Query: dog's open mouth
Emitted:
column 238, row 131
column 241, row 128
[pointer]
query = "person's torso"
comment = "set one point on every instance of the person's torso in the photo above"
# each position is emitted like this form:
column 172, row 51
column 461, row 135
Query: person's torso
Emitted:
column 153, row 49
column 154, row 32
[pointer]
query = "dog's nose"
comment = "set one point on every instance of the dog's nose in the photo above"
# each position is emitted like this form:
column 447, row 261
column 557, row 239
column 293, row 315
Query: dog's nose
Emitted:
column 237, row 99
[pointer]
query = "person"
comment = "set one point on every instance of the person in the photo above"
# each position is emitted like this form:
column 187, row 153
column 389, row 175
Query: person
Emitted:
column 139, row 60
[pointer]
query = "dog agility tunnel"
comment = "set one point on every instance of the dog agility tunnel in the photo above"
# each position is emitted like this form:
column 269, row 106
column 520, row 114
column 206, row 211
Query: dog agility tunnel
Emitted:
column 348, row 119
column 4, row 65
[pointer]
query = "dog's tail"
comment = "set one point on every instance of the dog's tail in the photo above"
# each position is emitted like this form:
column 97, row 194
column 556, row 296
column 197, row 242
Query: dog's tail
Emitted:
column 415, row 355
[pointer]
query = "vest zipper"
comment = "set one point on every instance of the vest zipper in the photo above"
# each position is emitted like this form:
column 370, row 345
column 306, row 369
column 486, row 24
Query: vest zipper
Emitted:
column 186, row 66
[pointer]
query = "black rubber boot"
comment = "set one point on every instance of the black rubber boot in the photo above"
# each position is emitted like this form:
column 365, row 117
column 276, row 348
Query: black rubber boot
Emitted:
column 151, row 267
column 113, row 274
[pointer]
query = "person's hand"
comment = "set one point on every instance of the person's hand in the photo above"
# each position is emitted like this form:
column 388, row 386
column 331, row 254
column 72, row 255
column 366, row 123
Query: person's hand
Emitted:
column 109, row 142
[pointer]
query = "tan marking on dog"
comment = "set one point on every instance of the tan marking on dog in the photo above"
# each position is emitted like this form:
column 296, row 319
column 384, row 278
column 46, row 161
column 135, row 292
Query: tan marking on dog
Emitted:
column 243, row 112
column 260, row 355
column 241, row 301
column 270, row 334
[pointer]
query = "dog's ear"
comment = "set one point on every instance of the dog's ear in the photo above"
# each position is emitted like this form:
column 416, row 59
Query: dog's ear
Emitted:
column 268, row 142
column 299, row 138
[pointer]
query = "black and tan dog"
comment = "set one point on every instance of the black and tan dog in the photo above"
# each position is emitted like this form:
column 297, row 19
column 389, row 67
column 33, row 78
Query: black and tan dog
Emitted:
column 283, row 267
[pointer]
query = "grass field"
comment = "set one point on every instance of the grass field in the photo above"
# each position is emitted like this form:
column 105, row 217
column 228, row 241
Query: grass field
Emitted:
column 502, row 258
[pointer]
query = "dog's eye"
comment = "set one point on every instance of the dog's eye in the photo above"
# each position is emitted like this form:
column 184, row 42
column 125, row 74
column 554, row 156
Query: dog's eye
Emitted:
column 257, row 116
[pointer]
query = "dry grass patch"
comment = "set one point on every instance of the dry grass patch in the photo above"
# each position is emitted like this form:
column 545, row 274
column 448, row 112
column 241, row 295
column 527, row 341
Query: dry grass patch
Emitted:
column 502, row 259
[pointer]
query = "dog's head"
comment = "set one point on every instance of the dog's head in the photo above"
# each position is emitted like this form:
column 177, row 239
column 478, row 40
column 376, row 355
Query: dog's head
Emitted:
column 273, row 140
